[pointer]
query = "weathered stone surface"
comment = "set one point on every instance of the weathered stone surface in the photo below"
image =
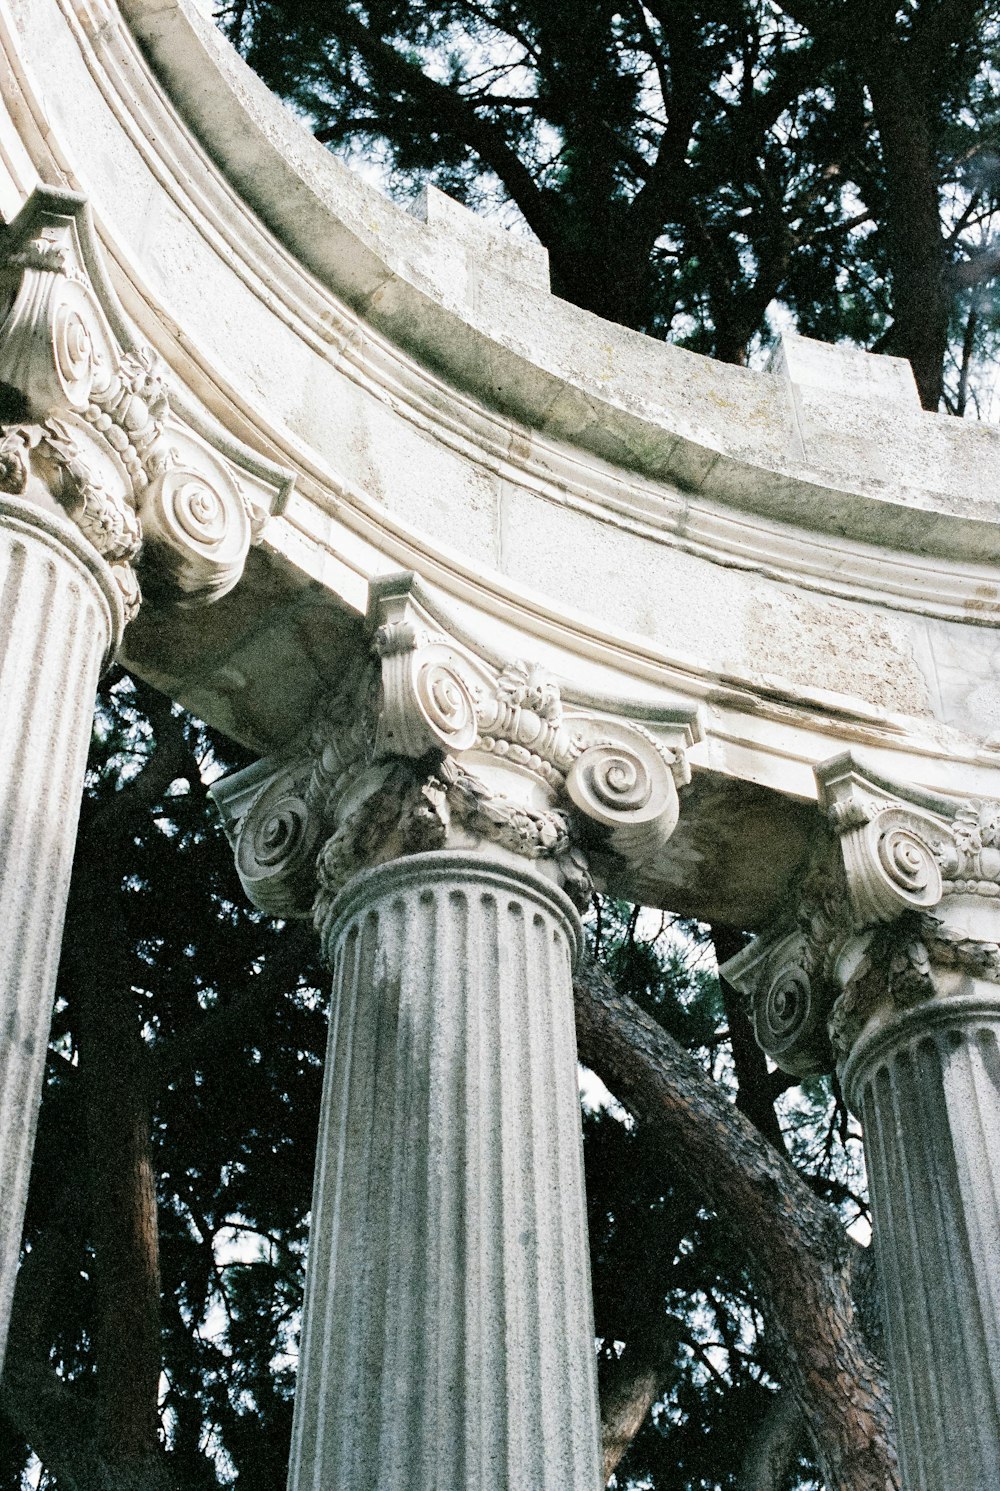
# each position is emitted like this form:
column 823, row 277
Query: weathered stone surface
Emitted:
column 747, row 574
column 844, row 370
column 101, row 487
column 422, row 744
column 60, row 614
column 888, row 963
column 927, row 1089
column 429, row 821
column 448, row 1337
column 799, row 562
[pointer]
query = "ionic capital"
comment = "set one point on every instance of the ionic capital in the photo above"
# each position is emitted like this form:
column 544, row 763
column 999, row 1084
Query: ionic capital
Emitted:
column 899, row 907
column 86, row 425
column 426, row 746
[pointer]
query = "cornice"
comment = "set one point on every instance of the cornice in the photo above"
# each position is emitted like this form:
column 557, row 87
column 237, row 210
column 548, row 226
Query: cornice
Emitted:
column 383, row 262
column 343, row 537
column 590, row 447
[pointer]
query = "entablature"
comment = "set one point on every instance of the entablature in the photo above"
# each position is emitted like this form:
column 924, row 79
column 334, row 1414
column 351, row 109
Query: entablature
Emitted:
column 805, row 570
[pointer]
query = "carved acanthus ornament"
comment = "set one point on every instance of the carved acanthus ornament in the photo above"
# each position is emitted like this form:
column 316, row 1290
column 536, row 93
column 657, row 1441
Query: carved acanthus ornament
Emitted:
column 424, row 746
column 891, row 912
column 87, row 426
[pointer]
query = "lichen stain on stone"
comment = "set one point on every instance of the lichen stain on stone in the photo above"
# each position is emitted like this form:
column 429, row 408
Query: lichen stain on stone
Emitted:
column 842, row 648
column 983, row 602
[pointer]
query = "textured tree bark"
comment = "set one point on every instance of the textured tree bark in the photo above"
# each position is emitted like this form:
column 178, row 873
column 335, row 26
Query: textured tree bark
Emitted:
column 630, row 1387
column 625, row 1401
column 59, row 1421
column 107, row 1441
column 123, row 1435
column 125, row 1236
column 799, row 1256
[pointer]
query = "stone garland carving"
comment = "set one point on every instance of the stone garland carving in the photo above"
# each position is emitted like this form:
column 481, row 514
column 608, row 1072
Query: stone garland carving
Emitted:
column 895, row 965
column 535, row 834
column 971, row 863
column 92, row 423
column 424, row 746
column 863, row 929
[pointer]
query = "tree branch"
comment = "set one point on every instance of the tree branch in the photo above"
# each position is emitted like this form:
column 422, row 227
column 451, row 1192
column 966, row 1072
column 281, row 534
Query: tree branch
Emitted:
column 968, row 273
column 55, row 1421
column 458, row 116
column 631, row 1384
column 775, row 1445
column 120, row 814
column 754, row 1096
column 938, row 27
column 223, row 1027
column 800, row 1258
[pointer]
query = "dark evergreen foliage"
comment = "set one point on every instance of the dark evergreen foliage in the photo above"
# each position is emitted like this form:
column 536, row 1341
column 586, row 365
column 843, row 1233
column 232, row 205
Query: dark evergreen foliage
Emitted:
column 703, row 170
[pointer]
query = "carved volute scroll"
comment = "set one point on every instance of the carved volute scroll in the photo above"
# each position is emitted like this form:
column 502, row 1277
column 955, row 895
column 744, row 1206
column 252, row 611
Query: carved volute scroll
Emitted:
column 789, row 1013
column 891, row 904
column 87, row 425
column 892, row 849
column 425, row 746
column 625, row 785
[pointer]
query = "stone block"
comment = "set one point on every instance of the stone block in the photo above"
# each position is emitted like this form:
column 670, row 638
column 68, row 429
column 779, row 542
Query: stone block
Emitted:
column 841, row 369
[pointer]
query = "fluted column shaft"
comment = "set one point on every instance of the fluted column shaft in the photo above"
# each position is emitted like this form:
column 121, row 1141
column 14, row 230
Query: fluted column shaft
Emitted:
column 59, row 613
column 926, row 1084
column 448, row 1332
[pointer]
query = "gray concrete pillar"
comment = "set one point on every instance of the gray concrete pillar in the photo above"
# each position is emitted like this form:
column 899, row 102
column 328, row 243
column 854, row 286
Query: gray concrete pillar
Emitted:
column 926, row 1083
column 60, row 614
column 448, row 1333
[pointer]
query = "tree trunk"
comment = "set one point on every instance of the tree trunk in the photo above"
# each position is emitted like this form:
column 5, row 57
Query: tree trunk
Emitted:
column 125, row 1234
column 753, row 1096
column 629, row 1388
column 107, row 1441
column 799, row 1255
column 774, row 1447
column 916, row 248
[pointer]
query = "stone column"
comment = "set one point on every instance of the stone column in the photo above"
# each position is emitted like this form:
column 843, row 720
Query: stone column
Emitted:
column 924, row 1078
column 889, row 967
column 98, row 484
column 434, row 821
column 448, row 1334
column 60, row 616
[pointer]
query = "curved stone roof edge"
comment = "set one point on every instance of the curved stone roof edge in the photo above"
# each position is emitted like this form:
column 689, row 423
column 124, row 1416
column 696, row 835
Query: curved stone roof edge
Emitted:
column 470, row 302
